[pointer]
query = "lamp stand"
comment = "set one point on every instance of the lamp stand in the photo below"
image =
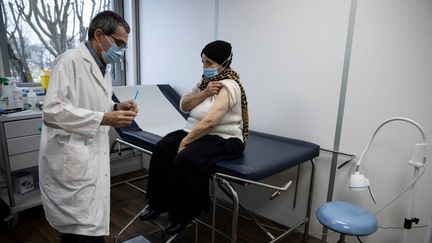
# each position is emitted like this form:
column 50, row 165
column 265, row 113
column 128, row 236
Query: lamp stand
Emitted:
column 428, row 237
column 418, row 161
column 410, row 209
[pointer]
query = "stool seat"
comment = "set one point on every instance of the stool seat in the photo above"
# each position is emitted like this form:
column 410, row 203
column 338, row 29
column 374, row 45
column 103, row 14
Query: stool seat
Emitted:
column 347, row 218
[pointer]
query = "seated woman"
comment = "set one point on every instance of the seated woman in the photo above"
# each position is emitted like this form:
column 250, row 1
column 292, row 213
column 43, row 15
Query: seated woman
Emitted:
column 216, row 129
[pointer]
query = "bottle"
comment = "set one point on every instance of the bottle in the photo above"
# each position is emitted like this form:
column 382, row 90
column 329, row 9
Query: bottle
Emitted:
column 32, row 99
column 3, row 82
column 44, row 79
column 4, row 100
column 15, row 97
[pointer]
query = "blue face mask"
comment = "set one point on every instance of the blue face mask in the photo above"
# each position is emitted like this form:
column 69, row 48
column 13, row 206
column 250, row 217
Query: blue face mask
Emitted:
column 114, row 53
column 210, row 72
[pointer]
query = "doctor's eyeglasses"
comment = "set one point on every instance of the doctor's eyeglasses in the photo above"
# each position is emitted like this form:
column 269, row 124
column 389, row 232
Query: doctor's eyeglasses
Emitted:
column 119, row 43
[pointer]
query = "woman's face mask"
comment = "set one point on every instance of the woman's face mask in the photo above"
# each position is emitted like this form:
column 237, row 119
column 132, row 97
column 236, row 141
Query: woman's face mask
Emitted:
column 113, row 54
column 210, row 72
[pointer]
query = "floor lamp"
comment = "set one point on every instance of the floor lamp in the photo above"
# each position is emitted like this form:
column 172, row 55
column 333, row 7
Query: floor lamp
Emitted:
column 359, row 182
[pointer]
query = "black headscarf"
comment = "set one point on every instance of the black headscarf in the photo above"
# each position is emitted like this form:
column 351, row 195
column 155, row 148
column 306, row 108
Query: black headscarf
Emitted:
column 219, row 51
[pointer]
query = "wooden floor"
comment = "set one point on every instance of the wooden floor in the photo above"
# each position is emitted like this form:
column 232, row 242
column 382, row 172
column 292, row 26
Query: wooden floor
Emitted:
column 126, row 202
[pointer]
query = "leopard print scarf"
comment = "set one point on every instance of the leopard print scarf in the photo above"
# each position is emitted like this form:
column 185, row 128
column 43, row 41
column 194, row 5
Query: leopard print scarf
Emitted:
column 228, row 73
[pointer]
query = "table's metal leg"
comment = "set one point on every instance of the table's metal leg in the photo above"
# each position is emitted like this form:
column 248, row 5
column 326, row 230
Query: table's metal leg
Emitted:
column 308, row 211
column 289, row 231
column 127, row 226
column 214, row 185
column 258, row 223
column 227, row 188
column 171, row 238
column 296, row 186
column 234, row 221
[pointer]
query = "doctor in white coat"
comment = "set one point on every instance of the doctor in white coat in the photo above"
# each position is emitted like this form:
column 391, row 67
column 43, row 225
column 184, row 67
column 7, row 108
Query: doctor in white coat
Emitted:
column 74, row 166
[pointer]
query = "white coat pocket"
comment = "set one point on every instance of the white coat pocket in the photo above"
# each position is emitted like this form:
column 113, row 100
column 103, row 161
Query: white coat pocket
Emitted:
column 76, row 163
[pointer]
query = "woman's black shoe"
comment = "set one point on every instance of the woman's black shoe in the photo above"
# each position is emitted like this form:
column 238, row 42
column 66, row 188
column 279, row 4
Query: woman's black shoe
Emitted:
column 175, row 228
column 149, row 213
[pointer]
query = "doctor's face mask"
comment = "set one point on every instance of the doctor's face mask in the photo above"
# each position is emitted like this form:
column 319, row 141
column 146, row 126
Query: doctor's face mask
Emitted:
column 113, row 54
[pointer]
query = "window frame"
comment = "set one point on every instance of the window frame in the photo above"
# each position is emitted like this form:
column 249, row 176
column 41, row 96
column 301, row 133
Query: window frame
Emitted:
column 132, row 55
column 5, row 69
column 119, row 74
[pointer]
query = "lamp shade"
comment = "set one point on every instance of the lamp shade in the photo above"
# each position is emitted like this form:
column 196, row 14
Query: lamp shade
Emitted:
column 358, row 182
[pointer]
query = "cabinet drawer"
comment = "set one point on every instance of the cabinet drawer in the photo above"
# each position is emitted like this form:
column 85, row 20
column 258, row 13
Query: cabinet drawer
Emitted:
column 23, row 144
column 22, row 127
column 25, row 160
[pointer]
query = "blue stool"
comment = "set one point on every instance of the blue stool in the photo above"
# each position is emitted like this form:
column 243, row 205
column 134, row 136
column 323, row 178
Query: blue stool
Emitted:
column 347, row 219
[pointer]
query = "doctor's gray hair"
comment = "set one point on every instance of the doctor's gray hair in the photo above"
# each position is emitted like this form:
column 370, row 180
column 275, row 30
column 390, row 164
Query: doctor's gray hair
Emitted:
column 108, row 22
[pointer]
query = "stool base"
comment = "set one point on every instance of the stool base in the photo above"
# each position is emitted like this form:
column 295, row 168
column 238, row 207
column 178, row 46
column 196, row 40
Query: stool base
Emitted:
column 341, row 239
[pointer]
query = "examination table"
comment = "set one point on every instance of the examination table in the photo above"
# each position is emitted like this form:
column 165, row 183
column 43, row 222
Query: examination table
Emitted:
column 265, row 155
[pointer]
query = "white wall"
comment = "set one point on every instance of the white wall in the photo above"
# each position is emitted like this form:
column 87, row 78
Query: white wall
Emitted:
column 172, row 36
column 290, row 58
column 390, row 76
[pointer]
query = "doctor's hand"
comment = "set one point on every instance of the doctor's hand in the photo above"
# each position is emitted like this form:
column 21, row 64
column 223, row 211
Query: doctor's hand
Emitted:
column 118, row 118
column 129, row 105
column 213, row 88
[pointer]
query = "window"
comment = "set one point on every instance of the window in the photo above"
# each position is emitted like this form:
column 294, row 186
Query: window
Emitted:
column 37, row 31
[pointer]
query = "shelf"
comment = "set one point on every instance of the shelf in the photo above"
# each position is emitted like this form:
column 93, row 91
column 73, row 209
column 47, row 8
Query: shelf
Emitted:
column 19, row 134
column 23, row 201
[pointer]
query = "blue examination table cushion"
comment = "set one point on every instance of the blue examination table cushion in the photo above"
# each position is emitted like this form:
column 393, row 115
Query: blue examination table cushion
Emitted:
column 266, row 155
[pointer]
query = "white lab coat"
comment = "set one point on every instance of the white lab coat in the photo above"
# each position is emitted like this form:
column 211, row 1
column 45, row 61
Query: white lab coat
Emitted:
column 74, row 162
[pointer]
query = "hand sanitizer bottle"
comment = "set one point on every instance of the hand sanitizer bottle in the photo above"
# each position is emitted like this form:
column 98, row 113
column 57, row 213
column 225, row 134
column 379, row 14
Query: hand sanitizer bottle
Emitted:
column 32, row 99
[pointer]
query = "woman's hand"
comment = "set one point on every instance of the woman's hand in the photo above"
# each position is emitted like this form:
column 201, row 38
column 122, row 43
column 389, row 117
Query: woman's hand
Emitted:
column 183, row 144
column 213, row 88
column 190, row 101
column 213, row 117
column 129, row 105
